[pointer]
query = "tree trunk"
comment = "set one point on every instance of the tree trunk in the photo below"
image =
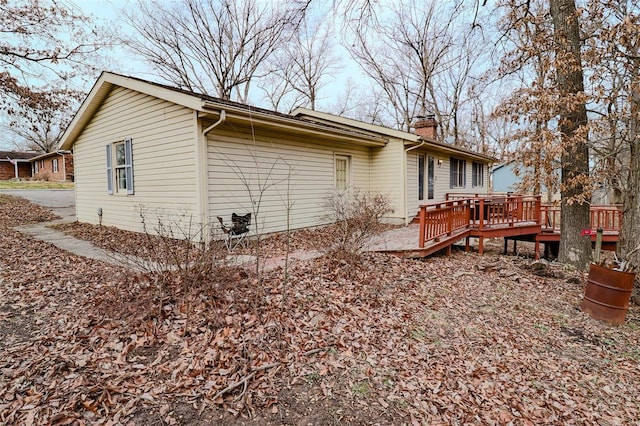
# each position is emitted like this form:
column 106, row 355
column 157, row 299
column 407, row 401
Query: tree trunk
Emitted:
column 575, row 249
column 629, row 236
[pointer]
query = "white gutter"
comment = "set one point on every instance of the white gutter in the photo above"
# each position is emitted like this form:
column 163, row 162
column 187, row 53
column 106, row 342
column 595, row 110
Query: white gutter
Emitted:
column 406, row 183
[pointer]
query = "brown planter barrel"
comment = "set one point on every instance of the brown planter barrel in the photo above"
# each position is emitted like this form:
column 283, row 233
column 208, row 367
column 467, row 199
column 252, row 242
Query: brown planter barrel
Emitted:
column 607, row 294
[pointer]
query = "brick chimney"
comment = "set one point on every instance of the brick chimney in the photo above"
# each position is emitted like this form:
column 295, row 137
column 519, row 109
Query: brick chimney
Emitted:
column 426, row 126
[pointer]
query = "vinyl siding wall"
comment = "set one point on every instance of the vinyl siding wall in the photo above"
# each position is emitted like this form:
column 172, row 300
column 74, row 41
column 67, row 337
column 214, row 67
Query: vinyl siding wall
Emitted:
column 442, row 179
column 288, row 172
column 163, row 136
column 386, row 176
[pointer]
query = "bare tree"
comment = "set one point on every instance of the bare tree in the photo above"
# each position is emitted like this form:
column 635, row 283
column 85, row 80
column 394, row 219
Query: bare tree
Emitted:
column 211, row 46
column 41, row 44
column 303, row 66
column 527, row 65
column 38, row 124
column 614, row 53
column 46, row 55
column 411, row 53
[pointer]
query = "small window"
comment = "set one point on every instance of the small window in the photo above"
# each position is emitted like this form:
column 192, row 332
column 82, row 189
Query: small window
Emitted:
column 54, row 165
column 342, row 172
column 120, row 167
column 457, row 173
column 477, row 174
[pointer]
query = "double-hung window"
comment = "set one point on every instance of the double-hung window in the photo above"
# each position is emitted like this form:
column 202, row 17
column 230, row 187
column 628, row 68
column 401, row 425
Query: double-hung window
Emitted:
column 458, row 171
column 54, row 165
column 120, row 167
column 477, row 174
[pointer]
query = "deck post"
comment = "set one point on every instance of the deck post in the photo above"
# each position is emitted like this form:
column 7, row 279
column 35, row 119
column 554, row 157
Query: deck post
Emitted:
column 480, row 245
column 537, row 250
column 467, row 245
column 538, row 209
column 450, row 211
column 481, row 214
column 423, row 226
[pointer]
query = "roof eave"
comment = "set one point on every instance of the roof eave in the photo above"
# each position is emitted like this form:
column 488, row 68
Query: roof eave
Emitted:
column 293, row 124
column 100, row 91
column 48, row 154
column 348, row 122
column 444, row 147
column 106, row 81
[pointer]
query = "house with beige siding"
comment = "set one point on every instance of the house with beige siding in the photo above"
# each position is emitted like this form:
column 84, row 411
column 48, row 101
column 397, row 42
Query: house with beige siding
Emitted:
column 142, row 146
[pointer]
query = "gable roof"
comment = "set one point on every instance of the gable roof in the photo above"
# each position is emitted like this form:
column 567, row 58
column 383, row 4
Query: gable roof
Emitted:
column 501, row 165
column 15, row 155
column 206, row 105
column 323, row 117
column 408, row 137
column 49, row 154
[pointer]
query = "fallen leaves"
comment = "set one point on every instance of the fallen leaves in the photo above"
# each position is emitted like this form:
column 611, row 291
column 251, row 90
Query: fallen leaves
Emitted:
column 415, row 341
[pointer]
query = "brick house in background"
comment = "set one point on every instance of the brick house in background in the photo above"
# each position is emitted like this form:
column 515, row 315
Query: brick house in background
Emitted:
column 53, row 166
column 15, row 165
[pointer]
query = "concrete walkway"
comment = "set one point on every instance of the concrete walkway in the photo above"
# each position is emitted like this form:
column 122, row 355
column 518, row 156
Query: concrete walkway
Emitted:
column 62, row 203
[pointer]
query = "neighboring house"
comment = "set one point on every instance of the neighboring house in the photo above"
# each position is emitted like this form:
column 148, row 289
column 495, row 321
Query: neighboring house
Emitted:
column 190, row 157
column 15, row 165
column 53, row 166
column 503, row 177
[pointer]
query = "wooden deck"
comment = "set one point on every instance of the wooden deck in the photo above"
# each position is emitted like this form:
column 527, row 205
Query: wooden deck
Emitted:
column 512, row 217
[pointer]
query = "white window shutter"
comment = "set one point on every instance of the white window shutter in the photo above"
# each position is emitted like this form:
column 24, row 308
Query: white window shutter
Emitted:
column 109, row 171
column 128, row 165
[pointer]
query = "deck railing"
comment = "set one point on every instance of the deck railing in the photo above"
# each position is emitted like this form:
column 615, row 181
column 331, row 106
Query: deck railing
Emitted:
column 609, row 218
column 445, row 218
column 470, row 211
column 505, row 210
column 442, row 219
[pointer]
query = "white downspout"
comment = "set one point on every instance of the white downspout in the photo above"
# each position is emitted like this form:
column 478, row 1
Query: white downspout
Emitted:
column 204, row 168
column 406, row 183
column 222, row 119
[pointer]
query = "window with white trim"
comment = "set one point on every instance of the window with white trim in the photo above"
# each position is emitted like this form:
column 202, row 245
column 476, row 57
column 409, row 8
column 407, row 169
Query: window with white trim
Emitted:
column 342, row 172
column 458, row 172
column 120, row 167
column 477, row 174
column 54, row 165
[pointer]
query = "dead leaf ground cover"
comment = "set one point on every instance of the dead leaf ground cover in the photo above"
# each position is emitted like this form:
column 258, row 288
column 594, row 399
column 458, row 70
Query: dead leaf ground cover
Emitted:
column 384, row 341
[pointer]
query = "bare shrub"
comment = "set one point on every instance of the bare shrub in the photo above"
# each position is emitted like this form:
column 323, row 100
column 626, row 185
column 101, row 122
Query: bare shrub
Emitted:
column 43, row 176
column 357, row 216
column 186, row 265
